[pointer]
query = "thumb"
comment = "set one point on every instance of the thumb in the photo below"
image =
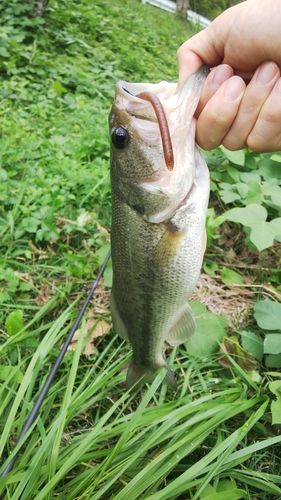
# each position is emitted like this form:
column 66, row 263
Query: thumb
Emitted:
column 188, row 63
column 198, row 50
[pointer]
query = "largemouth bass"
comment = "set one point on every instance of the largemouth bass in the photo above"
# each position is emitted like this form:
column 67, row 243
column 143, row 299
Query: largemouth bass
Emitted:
column 160, row 191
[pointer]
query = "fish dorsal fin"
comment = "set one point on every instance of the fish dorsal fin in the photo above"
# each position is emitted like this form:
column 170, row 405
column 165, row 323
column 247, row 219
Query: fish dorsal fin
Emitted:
column 183, row 328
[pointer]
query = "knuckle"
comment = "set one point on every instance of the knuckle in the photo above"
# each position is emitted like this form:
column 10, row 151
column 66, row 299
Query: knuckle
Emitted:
column 233, row 143
column 264, row 142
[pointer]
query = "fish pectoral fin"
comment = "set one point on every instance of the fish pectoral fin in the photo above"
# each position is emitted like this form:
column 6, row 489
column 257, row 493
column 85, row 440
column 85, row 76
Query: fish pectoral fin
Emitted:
column 118, row 323
column 137, row 375
column 184, row 327
column 168, row 246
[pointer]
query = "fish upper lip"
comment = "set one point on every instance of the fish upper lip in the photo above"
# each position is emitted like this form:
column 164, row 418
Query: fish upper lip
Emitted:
column 130, row 90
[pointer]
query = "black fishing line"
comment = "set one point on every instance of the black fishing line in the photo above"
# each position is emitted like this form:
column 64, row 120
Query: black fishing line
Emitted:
column 34, row 412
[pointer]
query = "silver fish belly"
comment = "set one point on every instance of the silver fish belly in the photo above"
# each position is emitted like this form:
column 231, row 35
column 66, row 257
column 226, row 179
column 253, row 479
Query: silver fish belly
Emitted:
column 158, row 221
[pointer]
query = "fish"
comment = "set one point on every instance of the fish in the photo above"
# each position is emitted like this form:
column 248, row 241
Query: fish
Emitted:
column 160, row 189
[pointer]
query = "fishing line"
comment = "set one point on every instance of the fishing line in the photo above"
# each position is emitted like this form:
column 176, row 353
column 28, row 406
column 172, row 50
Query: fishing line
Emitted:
column 34, row 412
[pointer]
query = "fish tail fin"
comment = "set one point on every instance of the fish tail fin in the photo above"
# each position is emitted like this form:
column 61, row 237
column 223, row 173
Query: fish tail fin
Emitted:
column 138, row 375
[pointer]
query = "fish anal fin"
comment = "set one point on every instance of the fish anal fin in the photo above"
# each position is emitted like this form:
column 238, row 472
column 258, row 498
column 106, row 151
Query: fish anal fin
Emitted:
column 183, row 328
column 118, row 323
column 137, row 375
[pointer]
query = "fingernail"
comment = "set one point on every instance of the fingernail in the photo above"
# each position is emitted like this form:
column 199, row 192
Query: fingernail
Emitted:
column 220, row 74
column 278, row 87
column 234, row 88
column 266, row 72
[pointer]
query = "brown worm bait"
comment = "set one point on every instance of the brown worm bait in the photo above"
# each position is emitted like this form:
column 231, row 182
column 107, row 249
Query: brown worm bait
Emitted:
column 163, row 126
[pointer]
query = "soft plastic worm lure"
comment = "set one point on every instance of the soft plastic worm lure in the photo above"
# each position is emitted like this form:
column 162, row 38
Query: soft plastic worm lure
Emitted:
column 163, row 126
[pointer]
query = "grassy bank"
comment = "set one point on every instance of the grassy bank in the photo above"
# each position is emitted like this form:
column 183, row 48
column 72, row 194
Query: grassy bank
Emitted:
column 215, row 439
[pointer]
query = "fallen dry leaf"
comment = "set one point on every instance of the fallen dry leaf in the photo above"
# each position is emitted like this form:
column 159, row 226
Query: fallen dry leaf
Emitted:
column 231, row 346
column 101, row 328
column 44, row 295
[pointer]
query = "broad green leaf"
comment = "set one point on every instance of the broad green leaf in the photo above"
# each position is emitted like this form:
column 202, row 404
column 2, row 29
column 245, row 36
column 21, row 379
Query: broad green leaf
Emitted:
column 30, row 342
column 28, row 254
column 25, row 287
column 254, row 216
column 268, row 314
column 230, row 277
column 60, row 140
column 273, row 361
column 247, row 216
column 252, row 344
column 4, row 297
column 210, row 268
column 250, row 162
column 242, row 189
column 236, row 157
column 227, row 495
column 71, row 103
column 275, row 387
column 210, row 330
column 254, row 194
column 208, row 490
column 102, row 252
column 4, row 52
column 107, row 276
column 11, row 372
column 226, row 485
column 272, row 343
column 225, row 186
column 212, row 220
column 14, row 322
column 57, row 86
column 250, row 176
column 234, row 173
column 268, row 169
column 276, row 157
column 255, row 376
column 229, row 196
column 276, row 224
column 3, row 175
column 272, row 194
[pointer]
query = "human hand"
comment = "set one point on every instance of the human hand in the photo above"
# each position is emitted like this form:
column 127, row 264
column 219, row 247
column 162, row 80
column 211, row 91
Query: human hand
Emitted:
column 241, row 46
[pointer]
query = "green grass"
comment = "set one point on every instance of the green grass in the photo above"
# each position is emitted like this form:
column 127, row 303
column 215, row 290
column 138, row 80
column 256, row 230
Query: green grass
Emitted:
column 93, row 440
column 214, row 439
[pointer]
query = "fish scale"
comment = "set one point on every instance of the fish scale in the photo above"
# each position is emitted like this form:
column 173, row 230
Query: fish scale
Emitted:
column 158, row 222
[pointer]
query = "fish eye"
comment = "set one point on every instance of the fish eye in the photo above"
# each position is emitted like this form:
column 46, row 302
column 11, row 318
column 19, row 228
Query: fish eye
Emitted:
column 120, row 137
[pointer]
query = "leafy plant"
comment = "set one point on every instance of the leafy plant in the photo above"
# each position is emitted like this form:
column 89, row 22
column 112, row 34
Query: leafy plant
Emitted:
column 254, row 184
column 267, row 314
column 207, row 340
column 268, row 317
